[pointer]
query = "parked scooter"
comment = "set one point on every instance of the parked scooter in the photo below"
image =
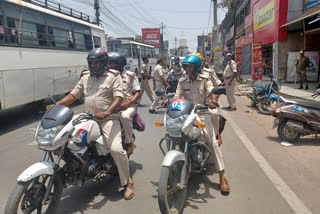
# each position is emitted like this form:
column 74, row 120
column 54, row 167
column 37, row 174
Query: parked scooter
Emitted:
column 296, row 118
column 263, row 97
column 74, row 141
column 186, row 151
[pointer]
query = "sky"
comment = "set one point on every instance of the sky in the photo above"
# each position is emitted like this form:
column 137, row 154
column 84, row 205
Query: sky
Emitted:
column 122, row 18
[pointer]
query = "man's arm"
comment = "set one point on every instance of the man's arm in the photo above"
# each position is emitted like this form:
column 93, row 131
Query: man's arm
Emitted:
column 164, row 81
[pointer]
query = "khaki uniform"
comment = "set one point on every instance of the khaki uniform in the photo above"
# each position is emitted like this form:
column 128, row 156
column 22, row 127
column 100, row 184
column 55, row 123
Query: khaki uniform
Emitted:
column 145, row 83
column 130, row 86
column 215, row 82
column 196, row 91
column 99, row 92
column 230, row 69
column 301, row 65
column 177, row 68
column 157, row 73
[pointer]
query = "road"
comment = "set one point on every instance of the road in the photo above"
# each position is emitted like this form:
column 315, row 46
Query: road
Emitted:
column 264, row 176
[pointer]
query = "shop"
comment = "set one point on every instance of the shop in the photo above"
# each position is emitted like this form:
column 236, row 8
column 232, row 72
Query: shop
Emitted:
column 267, row 17
column 243, row 54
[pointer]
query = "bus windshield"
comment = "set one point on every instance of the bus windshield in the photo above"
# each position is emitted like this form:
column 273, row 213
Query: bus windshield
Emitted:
column 123, row 49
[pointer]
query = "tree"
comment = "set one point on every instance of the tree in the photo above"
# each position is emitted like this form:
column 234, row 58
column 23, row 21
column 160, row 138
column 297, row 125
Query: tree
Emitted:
column 225, row 3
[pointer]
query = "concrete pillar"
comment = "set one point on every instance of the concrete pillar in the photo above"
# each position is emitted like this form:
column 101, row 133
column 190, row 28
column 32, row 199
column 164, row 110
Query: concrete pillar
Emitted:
column 275, row 60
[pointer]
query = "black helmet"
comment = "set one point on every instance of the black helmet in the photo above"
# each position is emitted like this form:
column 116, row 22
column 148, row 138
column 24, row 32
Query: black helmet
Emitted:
column 97, row 54
column 119, row 59
column 144, row 58
column 176, row 58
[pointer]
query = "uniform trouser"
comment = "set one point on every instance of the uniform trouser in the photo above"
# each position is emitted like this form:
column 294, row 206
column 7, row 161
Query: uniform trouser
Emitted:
column 302, row 76
column 230, row 94
column 146, row 87
column 126, row 121
column 215, row 119
column 111, row 130
column 159, row 85
column 210, row 138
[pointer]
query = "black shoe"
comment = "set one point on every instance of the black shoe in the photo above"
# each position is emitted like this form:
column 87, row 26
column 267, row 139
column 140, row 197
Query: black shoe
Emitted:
column 307, row 87
column 152, row 111
column 318, row 87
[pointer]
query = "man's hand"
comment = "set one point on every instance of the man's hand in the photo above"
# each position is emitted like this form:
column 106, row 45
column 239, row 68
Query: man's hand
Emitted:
column 168, row 86
column 212, row 104
column 101, row 115
column 49, row 106
column 124, row 106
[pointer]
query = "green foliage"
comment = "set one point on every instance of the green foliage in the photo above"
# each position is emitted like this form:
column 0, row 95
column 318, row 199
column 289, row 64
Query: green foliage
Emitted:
column 225, row 3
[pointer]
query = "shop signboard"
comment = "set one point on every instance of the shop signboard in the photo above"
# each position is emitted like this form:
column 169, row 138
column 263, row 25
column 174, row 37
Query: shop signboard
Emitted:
column 244, row 40
column 312, row 75
column 151, row 36
column 239, row 60
column 264, row 16
column 309, row 4
column 257, row 61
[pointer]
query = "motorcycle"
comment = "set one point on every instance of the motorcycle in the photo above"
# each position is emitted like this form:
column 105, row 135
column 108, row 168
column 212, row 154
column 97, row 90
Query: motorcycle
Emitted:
column 39, row 187
column 263, row 97
column 296, row 118
column 186, row 152
column 173, row 82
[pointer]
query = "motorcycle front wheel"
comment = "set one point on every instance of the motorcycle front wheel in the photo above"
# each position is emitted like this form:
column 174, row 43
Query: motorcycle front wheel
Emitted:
column 265, row 106
column 287, row 134
column 26, row 197
column 171, row 197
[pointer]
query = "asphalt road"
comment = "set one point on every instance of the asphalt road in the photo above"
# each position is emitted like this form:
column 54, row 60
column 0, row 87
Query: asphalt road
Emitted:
column 264, row 176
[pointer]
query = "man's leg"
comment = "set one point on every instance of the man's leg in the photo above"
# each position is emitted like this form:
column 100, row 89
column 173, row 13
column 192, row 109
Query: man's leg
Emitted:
column 149, row 91
column 112, row 133
column 300, row 79
column 216, row 154
column 305, row 79
column 215, row 121
column 232, row 95
column 126, row 121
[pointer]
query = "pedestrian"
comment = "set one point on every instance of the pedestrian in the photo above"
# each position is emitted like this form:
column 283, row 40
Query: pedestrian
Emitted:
column 195, row 87
column 229, row 74
column 102, row 89
column 145, row 87
column 177, row 68
column 302, row 67
column 159, row 82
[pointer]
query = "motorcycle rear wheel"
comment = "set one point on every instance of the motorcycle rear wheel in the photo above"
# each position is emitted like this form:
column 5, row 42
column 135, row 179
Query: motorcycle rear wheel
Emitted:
column 171, row 198
column 26, row 197
column 286, row 134
column 265, row 106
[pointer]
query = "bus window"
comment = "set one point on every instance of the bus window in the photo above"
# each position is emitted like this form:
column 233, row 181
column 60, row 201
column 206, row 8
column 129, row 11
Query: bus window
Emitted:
column 123, row 49
column 97, row 41
column 1, row 28
column 134, row 51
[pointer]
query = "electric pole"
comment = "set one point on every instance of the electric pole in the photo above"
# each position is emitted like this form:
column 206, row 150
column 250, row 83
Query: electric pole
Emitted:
column 96, row 8
column 175, row 45
column 161, row 41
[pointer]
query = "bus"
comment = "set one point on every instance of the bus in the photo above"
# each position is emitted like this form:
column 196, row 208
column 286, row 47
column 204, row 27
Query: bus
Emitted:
column 134, row 51
column 43, row 49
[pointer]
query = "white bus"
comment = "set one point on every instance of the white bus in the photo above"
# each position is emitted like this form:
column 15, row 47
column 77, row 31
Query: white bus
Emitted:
column 43, row 49
column 134, row 51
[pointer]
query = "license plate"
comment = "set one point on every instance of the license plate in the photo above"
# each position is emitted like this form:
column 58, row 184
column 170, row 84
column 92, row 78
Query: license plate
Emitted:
column 275, row 123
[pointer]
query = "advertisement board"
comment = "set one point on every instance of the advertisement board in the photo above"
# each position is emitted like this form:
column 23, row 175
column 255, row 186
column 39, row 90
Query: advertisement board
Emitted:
column 309, row 4
column 239, row 60
column 151, row 36
column 312, row 75
column 257, row 61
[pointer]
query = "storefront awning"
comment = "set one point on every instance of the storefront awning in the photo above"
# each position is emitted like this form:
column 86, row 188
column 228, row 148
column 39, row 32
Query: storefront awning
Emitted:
column 303, row 16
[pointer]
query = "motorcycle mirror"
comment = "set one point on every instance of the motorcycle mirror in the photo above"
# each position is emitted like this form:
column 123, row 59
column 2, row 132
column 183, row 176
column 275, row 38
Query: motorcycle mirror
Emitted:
column 218, row 90
column 159, row 92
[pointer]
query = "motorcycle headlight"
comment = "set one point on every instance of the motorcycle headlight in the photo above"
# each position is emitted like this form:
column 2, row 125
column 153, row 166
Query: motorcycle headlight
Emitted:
column 174, row 126
column 45, row 136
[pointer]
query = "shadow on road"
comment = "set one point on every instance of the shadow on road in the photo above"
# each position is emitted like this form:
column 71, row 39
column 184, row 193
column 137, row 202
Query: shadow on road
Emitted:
column 94, row 194
column 308, row 141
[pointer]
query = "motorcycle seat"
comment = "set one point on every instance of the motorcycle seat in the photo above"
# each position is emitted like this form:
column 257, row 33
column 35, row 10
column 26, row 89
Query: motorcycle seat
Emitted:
column 308, row 103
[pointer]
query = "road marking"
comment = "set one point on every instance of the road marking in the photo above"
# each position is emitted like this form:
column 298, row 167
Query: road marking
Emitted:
column 292, row 199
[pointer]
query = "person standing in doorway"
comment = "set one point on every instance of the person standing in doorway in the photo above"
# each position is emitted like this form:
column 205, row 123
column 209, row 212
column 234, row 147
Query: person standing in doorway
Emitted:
column 302, row 67
column 229, row 74
column 145, row 80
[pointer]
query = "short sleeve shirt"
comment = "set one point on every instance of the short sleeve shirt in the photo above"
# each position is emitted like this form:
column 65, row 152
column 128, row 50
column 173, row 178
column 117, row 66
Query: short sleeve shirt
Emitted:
column 158, row 72
column 230, row 69
column 212, row 76
column 195, row 91
column 144, row 68
column 130, row 84
column 99, row 92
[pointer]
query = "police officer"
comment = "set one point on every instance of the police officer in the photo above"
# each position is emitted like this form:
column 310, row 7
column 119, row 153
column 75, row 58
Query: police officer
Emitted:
column 195, row 87
column 145, row 77
column 159, row 82
column 102, row 89
column 177, row 68
column 229, row 74
column 131, row 93
column 302, row 66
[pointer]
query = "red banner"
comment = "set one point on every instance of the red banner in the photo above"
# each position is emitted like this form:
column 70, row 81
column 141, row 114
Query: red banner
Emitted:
column 257, row 61
column 239, row 60
column 151, row 36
